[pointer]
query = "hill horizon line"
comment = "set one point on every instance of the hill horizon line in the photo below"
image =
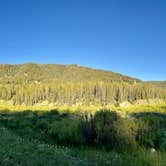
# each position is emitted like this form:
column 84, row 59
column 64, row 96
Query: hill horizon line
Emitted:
column 84, row 66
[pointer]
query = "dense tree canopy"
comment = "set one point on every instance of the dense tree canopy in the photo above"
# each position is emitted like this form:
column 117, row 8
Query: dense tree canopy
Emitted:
column 71, row 84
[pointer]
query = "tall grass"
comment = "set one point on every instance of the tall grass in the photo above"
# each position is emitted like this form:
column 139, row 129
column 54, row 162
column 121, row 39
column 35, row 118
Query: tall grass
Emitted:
column 91, row 137
column 18, row 151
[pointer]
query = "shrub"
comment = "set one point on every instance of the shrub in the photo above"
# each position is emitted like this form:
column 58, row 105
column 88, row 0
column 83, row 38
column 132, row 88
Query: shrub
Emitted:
column 66, row 131
column 43, row 125
column 143, row 135
column 125, row 134
column 161, row 140
column 54, row 112
column 107, row 129
column 151, row 129
column 88, row 130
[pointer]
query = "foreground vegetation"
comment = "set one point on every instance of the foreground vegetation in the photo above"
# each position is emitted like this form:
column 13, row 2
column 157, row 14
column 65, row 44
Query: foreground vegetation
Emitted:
column 76, row 137
column 19, row 151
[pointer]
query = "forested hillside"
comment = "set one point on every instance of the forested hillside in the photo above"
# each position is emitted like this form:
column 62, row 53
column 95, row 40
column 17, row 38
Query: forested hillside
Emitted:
column 31, row 73
column 71, row 84
column 161, row 84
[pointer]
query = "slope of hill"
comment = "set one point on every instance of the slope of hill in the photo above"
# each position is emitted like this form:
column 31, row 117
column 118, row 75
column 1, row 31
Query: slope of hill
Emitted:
column 71, row 84
column 161, row 84
column 52, row 72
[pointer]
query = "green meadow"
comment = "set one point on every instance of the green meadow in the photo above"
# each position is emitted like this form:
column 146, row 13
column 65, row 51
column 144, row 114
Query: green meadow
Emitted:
column 133, row 135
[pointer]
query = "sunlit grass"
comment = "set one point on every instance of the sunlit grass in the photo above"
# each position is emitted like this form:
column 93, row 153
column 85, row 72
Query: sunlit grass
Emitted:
column 122, row 110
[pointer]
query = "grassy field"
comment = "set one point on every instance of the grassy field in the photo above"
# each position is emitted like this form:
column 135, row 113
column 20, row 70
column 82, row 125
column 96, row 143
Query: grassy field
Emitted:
column 59, row 137
column 16, row 150
column 153, row 106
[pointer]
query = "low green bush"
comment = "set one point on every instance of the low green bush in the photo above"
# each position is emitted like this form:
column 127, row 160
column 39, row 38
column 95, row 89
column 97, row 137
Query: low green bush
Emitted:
column 104, row 126
column 160, row 140
column 66, row 131
column 108, row 129
column 42, row 125
column 143, row 135
column 151, row 130
column 88, row 130
column 125, row 134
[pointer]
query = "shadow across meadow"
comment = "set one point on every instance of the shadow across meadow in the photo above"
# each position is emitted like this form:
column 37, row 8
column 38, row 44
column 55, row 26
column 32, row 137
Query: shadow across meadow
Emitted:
column 105, row 129
column 32, row 125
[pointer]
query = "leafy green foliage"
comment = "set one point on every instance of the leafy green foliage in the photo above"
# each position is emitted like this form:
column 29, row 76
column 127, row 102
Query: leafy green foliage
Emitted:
column 111, row 131
column 151, row 129
column 66, row 131
column 31, row 138
column 18, row 151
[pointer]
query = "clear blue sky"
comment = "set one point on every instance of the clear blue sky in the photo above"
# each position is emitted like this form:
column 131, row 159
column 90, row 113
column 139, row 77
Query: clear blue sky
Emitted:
column 126, row 36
